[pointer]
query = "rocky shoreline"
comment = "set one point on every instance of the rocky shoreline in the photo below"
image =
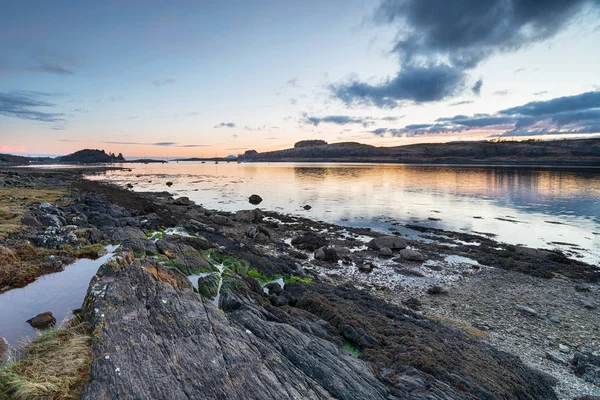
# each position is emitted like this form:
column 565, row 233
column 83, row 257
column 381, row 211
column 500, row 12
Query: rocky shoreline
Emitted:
column 306, row 309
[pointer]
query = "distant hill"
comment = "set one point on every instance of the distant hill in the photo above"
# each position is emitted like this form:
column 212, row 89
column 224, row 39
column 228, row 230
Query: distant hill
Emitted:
column 90, row 156
column 9, row 159
column 535, row 152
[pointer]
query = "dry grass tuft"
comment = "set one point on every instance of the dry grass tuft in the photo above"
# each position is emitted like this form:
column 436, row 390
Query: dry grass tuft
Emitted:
column 7, row 256
column 56, row 366
column 14, row 202
column 462, row 325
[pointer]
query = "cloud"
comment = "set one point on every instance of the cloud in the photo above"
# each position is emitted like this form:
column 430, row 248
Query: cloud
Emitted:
column 439, row 43
column 225, row 125
column 293, row 101
column 460, row 103
column 540, row 93
column 24, row 105
column 519, row 70
column 503, row 92
column 576, row 114
column 160, row 144
column 476, row 89
column 292, row 82
column 337, row 120
column 53, row 68
column 162, row 82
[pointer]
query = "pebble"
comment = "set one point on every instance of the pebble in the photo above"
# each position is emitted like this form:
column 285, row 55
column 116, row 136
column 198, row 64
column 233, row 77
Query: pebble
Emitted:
column 527, row 310
column 563, row 348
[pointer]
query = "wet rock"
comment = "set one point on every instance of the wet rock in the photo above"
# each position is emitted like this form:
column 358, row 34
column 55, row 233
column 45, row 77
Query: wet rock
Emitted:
column 392, row 242
column 259, row 233
column 140, row 247
column 249, row 215
column 587, row 366
column 255, row 199
column 409, row 272
column 183, row 201
column 222, row 220
column 327, row 254
column 30, row 220
column 309, row 242
column 169, row 184
column 208, row 286
column 274, row 288
column 366, row 267
column 385, row 252
column 44, row 320
column 527, row 310
column 307, row 207
column 412, row 255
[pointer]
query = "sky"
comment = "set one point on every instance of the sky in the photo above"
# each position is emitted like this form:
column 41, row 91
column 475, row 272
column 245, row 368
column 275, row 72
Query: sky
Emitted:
column 203, row 78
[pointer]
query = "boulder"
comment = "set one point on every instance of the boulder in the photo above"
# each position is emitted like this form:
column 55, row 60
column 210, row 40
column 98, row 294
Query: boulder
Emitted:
column 171, row 276
column 385, row 252
column 412, row 255
column 307, row 207
column 309, row 242
column 392, row 242
column 30, row 220
column 249, row 215
column 183, row 201
column 259, row 233
column 169, row 184
column 222, row 220
column 255, row 199
column 44, row 320
column 327, row 254
column 274, row 288
column 366, row 267
column 4, row 352
column 208, row 286
column 587, row 366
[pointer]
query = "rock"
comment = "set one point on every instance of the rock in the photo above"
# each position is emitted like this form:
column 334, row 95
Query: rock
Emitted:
column 385, row 252
column 101, row 220
column 563, row 348
column 79, row 220
column 282, row 299
column 47, row 208
column 249, row 215
column 587, row 366
column 222, row 220
column 129, row 186
column 165, row 342
column 307, row 207
column 327, row 254
column 410, row 272
column 583, row 288
column 366, row 267
column 436, row 289
column 259, row 233
column 171, row 276
column 52, row 220
column 274, row 288
column 556, row 357
column 527, row 310
column 30, row 220
column 588, row 305
column 169, row 184
column 183, row 201
column 309, row 242
column 255, row 199
column 413, row 303
column 554, row 319
column 392, row 242
column 44, row 320
column 126, row 232
column 208, row 286
column 412, row 255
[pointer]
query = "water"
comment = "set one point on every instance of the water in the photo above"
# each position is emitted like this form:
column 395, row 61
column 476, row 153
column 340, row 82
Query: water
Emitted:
column 535, row 206
column 60, row 293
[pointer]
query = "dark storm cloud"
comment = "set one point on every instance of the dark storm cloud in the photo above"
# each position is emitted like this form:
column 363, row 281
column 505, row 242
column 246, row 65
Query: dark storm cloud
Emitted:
column 337, row 120
column 563, row 115
column 24, row 105
column 225, row 125
column 439, row 42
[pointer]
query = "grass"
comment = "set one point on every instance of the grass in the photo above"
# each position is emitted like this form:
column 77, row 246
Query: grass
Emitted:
column 14, row 203
column 350, row 349
column 252, row 273
column 292, row 279
column 56, row 366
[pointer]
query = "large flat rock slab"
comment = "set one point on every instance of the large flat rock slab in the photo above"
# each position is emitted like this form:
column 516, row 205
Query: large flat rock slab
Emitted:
column 152, row 340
